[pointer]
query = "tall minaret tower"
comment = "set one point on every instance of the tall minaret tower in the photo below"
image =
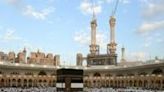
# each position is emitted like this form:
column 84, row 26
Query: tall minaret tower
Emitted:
column 112, row 22
column 94, row 48
column 25, row 52
column 123, row 54
column 112, row 45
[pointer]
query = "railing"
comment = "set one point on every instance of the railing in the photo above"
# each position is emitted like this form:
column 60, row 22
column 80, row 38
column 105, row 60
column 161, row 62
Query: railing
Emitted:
column 7, row 63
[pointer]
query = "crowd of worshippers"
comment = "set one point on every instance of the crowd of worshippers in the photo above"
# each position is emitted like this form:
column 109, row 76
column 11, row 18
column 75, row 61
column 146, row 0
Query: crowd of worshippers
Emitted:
column 31, row 89
column 120, row 90
column 53, row 89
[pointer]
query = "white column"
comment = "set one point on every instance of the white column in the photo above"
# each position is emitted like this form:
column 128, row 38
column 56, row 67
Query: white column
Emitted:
column 112, row 29
column 93, row 32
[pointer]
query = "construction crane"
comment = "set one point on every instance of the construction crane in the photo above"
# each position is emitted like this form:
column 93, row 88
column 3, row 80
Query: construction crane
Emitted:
column 115, row 8
column 93, row 10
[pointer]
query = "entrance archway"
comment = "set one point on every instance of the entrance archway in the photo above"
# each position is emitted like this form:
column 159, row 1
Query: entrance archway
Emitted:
column 19, row 83
column 30, row 83
column 140, row 83
column 14, row 83
column 2, row 82
column 25, row 83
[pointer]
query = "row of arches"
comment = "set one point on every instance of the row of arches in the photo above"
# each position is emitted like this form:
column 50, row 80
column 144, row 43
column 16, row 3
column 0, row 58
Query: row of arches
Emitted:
column 157, row 71
column 28, row 73
column 150, row 82
column 23, row 82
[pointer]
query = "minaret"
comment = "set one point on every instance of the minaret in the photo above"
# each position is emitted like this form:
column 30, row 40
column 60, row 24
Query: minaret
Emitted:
column 25, row 52
column 112, row 45
column 57, row 60
column 79, row 59
column 123, row 54
column 94, row 48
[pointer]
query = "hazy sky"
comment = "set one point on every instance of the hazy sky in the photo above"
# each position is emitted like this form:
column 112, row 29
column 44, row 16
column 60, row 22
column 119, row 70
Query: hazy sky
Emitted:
column 63, row 27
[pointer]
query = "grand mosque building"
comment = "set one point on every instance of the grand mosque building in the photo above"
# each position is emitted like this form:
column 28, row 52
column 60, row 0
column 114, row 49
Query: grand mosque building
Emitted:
column 102, row 70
